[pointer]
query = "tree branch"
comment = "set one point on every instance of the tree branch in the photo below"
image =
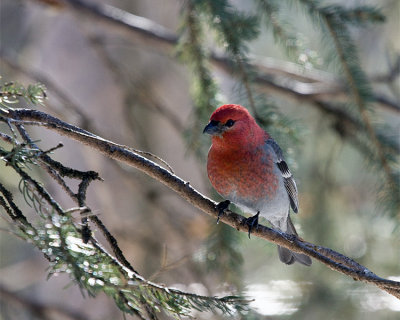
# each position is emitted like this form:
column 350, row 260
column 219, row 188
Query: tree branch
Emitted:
column 329, row 257
column 287, row 81
column 138, row 295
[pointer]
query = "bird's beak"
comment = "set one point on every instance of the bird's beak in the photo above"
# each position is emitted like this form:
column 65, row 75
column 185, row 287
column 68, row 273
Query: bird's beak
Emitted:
column 214, row 128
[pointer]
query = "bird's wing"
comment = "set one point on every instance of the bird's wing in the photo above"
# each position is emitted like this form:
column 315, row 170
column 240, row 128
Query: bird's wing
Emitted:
column 288, row 180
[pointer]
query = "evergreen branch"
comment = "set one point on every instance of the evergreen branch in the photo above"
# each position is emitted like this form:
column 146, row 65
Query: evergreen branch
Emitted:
column 61, row 245
column 10, row 93
column 233, row 30
column 329, row 257
column 347, row 126
column 245, row 79
column 133, row 288
column 79, row 197
column 192, row 52
column 360, row 14
column 205, row 93
column 163, row 294
column 145, row 32
column 358, row 92
column 288, row 40
column 7, row 202
column 284, row 34
column 333, row 18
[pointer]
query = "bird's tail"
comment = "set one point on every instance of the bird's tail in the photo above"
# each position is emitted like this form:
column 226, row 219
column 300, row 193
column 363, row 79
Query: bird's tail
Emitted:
column 290, row 257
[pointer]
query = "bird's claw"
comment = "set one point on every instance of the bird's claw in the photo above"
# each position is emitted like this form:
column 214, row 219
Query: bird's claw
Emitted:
column 221, row 207
column 252, row 222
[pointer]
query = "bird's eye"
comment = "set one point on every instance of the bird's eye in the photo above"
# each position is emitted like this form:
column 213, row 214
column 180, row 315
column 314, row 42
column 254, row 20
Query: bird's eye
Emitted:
column 230, row 123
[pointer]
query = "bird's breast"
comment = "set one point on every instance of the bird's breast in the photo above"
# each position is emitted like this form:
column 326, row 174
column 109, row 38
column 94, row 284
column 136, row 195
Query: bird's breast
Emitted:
column 247, row 175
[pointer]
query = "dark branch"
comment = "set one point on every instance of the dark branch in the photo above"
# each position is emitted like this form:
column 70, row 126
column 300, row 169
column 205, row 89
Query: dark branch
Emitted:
column 331, row 258
column 58, row 171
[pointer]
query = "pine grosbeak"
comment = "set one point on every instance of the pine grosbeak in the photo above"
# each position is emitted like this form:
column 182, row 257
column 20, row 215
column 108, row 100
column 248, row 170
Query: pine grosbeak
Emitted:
column 246, row 166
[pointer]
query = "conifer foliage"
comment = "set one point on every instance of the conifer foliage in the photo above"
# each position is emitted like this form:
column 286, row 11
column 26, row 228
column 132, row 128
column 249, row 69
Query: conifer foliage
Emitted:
column 65, row 236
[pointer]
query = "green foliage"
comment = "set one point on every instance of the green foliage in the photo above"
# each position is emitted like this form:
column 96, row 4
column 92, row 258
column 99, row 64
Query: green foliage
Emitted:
column 355, row 16
column 192, row 51
column 233, row 30
column 60, row 237
column 22, row 154
column 203, row 89
column 332, row 20
column 232, row 27
column 284, row 129
column 11, row 92
column 294, row 43
column 96, row 271
column 335, row 21
column 58, row 234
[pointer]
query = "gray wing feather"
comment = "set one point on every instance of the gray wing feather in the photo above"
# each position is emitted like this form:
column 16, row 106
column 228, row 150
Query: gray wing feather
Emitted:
column 288, row 180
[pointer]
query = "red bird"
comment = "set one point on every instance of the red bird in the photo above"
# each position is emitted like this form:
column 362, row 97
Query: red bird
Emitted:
column 246, row 166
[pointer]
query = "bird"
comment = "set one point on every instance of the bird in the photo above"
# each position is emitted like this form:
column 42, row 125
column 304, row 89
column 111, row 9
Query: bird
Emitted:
column 246, row 166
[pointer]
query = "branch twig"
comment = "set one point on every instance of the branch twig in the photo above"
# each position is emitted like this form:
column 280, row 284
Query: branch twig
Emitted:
column 329, row 257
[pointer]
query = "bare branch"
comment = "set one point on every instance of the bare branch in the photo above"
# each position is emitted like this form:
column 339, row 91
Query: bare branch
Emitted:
column 286, row 81
column 329, row 257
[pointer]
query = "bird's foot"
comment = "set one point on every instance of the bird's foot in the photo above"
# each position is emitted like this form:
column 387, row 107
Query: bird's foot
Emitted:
column 252, row 222
column 221, row 207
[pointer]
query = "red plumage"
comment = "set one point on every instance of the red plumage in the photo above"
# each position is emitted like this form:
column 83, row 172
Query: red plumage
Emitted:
column 246, row 166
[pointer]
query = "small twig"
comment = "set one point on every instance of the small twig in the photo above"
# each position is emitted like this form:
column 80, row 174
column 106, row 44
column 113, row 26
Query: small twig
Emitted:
column 77, row 209
column 60, row 145
column 11, row 129
column 165, row 266
column 11, row 208
column 80, row 197
column 168, row 266
column 113, row 242
column 151, row 155
column 6, row 138
column 41, row 191
column 56, row 176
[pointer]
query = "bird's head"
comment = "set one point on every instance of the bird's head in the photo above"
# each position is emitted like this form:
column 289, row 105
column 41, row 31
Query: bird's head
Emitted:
column 232, row 124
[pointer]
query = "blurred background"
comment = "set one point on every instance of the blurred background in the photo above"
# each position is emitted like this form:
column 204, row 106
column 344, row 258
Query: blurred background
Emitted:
column 138, row 91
